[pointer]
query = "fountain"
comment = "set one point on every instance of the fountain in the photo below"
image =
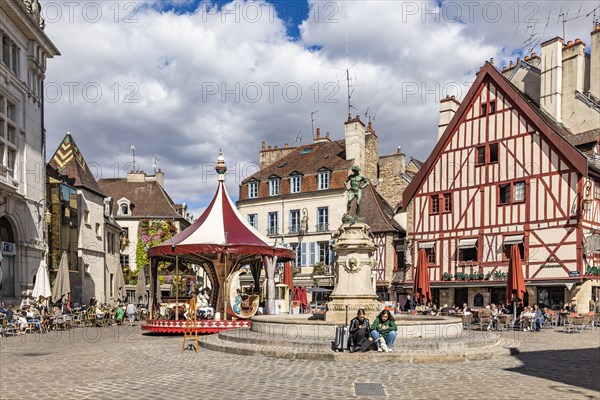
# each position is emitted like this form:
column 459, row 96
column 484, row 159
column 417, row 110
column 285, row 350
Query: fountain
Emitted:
column 420, row 338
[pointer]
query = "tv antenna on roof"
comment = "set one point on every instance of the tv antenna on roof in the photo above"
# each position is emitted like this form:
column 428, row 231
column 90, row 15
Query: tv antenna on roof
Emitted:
column 298, row 138
column 133, row 158
column 155, row 161
column 351, row 82
column 369, row 117
column 312, row 121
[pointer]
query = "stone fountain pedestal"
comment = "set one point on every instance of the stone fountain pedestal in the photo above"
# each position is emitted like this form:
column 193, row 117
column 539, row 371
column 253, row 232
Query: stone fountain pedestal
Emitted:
column 354, row 287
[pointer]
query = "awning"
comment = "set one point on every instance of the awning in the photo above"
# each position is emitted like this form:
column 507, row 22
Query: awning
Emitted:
column 467, row 243
column 426, row 245
column 513, row 239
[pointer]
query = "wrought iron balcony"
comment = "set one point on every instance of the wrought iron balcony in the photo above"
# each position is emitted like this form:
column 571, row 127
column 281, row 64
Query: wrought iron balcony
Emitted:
column 294, row 229
column 323, row 227
column 272, row 232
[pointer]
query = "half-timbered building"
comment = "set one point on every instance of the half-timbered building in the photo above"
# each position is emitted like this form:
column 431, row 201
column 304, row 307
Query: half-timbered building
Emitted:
column 511, row 168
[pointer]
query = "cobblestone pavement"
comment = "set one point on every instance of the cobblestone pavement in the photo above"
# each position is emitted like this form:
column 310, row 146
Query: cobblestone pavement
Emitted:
column 122, row 363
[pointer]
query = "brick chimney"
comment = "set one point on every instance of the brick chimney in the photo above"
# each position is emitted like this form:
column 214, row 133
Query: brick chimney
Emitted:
column 354, row 133
column 552, row 77
column 595, row 63
column 448, row 107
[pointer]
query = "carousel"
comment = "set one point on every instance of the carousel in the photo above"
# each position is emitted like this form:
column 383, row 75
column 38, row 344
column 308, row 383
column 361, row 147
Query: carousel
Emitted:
column 224, row 245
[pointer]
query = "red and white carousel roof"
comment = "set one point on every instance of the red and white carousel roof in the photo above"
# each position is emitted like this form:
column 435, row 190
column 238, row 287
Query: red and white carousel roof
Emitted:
column 220, row 229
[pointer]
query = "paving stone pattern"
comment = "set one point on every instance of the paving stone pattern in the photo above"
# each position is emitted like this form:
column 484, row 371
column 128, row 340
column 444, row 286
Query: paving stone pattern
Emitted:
column 122, row 363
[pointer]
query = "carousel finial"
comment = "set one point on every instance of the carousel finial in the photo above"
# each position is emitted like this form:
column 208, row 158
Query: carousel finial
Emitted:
column 221, row 168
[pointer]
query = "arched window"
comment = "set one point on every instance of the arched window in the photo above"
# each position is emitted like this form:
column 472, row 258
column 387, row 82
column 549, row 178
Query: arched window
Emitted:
column 124, row 209
column 6, row 232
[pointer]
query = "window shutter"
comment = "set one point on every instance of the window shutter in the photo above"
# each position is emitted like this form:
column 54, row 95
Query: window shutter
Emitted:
column 303, row 254
column 312, row 253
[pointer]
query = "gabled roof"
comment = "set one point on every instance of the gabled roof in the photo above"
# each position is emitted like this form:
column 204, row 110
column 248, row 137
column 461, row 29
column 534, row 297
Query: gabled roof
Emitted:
column 148, row 198
column 68, row 161
column 307, row 163
column 555, row 134
column 417, row 162
column 377, row 212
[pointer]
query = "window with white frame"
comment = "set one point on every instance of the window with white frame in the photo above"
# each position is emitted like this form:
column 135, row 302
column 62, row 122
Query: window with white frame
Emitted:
column 519, row 188
column 253, row 220
column 295, row 183
column 294, row 221
column 323, row 180
column 323, row 252
column 296, row 249
column 322, row 219
column 253, row 190
column 274, row 187
column 272, row 223
column 124, row 209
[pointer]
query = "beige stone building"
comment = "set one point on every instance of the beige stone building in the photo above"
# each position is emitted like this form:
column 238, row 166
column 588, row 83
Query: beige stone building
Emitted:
column 81, row 226
column 298, row 198
column 24, row 49
column 139, row 197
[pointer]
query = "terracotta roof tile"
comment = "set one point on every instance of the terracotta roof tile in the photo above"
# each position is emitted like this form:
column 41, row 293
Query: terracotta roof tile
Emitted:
column 148, row 198
column 377, row 212
column 584, row 137
column 307, row 159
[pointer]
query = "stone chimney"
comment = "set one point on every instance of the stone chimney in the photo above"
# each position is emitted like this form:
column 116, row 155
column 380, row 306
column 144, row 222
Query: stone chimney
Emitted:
column 319, row 139
column 159, row 177
column 573, row 66
column 448, row 107
column 136, row 176
column 552, row 76
column 270, row 154
column 595, row 63
column 354, row 133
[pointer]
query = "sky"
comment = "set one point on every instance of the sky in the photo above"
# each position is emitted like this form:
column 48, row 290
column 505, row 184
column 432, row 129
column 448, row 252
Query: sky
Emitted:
column 181, row 79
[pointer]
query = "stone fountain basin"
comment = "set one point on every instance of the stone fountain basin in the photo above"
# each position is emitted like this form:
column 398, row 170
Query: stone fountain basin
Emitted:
column 409, row 326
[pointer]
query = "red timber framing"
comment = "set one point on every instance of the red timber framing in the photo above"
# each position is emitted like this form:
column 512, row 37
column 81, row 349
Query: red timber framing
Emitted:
column 379, row 239
column 539, row 173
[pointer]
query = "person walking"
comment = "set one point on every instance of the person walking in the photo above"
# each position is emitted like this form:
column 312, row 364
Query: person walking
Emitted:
column 131, row 310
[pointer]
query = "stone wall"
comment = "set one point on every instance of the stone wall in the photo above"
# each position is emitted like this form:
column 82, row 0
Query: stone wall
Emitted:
column 371, row 156
column 391, row 183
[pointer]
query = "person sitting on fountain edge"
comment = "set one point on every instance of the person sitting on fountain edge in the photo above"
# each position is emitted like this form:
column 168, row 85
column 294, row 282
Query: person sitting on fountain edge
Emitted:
column 384, row 328
column 360, row 330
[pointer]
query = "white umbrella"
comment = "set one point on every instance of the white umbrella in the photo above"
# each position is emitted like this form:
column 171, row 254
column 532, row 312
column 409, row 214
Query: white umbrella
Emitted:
column 119, row 289
column 42, row 282
column 62, row 283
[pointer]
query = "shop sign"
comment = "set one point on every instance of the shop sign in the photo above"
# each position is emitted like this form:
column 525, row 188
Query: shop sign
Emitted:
column 9, row 249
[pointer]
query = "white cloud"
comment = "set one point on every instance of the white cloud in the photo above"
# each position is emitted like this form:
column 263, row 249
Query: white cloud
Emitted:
column 184, row 85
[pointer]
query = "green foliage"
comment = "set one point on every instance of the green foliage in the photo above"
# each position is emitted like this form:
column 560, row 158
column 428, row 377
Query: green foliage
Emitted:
column 447, row 277
column 592, row 271
column 150, row 234
column 318, row 269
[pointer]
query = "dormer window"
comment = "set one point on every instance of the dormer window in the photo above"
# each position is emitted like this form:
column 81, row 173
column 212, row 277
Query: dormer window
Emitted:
column 125, row 207
column 253, row 190
column 295, row 183
column 274, row 187
column 323, row 180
